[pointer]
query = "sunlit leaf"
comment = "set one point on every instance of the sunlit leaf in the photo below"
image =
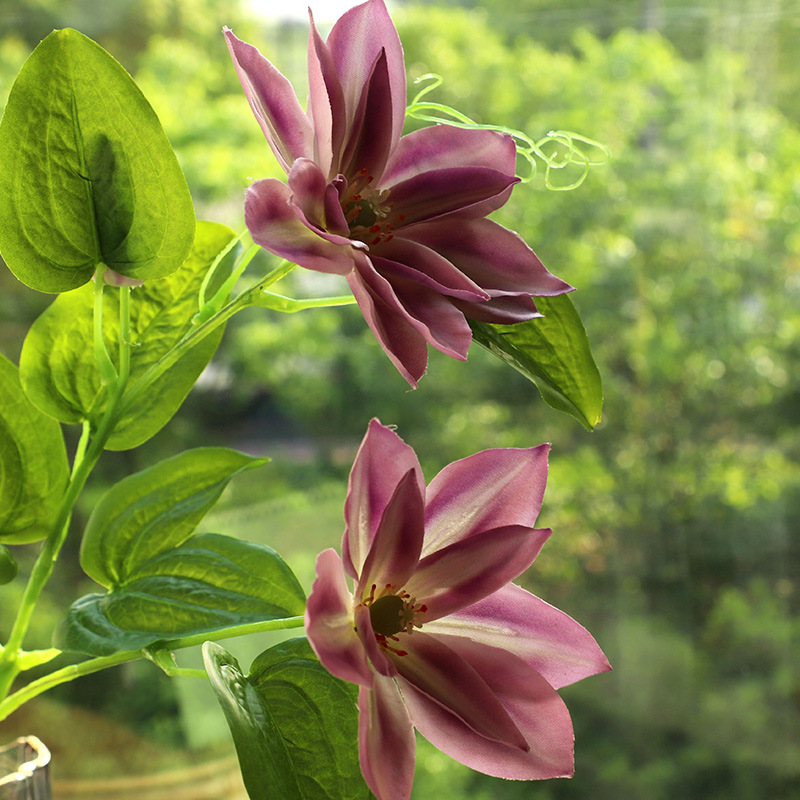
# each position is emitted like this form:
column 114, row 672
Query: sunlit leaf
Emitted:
column 57, row 365
column 33, row 463
column 88, row 175
column 154, row 511
column 207, row 583
column 554, row 353
column 294, row 725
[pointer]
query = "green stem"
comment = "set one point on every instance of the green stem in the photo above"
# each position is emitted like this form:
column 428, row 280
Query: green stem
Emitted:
column 289, row 305
column 105, row 366
column 70, row 673
column 86, row 457
column 245, row 299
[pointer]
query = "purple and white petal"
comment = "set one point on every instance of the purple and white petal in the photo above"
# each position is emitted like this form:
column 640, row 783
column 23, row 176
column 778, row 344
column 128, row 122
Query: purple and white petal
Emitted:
column 386, row 743
column 383, row 459
column 329, row 623
column 532, row 704
column 274, row 103
column 445, row 146
column 547, row 639
column 279, row 226
column 490, row 489
column 471, row 569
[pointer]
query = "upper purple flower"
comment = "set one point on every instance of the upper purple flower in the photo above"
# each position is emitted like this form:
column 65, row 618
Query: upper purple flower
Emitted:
column 403, row 218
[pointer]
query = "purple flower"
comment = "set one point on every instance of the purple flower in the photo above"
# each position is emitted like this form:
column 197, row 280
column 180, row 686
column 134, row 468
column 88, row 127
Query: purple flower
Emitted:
column 403, row 218
column 434, row 633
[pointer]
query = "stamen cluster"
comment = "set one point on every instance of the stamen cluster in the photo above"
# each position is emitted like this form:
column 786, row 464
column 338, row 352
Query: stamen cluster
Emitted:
column 392, row 612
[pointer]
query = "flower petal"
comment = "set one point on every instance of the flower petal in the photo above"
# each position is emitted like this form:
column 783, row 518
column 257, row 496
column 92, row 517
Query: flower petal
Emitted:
column 274, row 103
column 405, row 258
column 444, row 191
column 394, row 328
column 395, row 548
column 548, row 640
column 506, row 310
column 366, row 635
column 493, row 256
column 383, row 459
column 471, row 569
column 329, row 623
column 278, row 225
column 434, row 316
column 354, row 42
column 534, row 706
column 326, row 107
column 448, row 680
column 442, row 146
column 317, row 202
column 491, row 489
column 370, row 137
column 386, row 743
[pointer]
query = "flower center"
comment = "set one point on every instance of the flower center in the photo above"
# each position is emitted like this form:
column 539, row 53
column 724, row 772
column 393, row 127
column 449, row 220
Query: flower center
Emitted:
column 367, row 211
column 391, row 613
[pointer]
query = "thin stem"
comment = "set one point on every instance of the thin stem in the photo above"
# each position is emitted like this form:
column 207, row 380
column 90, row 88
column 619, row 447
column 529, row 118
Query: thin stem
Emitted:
column 289, row 305
column 105, row 366
column 70, row 673
column 245, row 299
column 86, row 457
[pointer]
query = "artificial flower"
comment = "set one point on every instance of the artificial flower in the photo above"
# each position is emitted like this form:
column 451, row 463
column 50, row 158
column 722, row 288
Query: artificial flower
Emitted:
column 403, row 218
column 433, row 632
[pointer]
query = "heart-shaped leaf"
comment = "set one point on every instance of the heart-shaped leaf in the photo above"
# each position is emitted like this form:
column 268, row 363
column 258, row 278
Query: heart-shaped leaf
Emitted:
column 154, row 511
column 33, row 463
column 58, row 368
column 552, row 351
column 208, row 583
column 88, row 175
column 294, row 725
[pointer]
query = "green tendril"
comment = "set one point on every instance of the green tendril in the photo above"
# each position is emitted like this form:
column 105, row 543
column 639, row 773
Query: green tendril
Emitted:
column 563, row 148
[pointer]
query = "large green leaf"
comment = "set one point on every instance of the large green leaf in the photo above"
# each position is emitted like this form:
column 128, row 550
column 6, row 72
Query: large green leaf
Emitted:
column 33, row 463
column 88, row 175
column 154, row 511
column 294, row 725
column 207, row 583
column 554, row 353
column 58, row 368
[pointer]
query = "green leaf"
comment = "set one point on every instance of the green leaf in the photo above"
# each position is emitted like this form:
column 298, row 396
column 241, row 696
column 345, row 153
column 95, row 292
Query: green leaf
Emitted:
column 154, row 511
column 554, row 353
column 58, row 368
column 294, row 725
column 88, row 174
column 33, row 463
column 8, row 566
column 208, row 583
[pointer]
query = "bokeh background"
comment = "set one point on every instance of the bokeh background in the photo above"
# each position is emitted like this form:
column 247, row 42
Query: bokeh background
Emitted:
column 676, row 523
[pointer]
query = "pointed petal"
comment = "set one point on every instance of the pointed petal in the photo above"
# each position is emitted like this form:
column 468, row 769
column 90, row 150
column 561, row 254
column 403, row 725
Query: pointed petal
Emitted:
column 277, row 224
column 491, row 489
column 390, row 322
column 548, row 640
column 506, row 310
column 395, row 548
column 447, row 679
column 370, row 136
column 355, row 41
column 496, row 258
column 386, row 744
column 439, row 322
column 329, row 623
column 274, row 103
column 383, row 459
column 326, row 108
column 316, row 201
column 444, row 191
column 534, row 706
column 406, row 258
column 473, row 568
column 442, row 146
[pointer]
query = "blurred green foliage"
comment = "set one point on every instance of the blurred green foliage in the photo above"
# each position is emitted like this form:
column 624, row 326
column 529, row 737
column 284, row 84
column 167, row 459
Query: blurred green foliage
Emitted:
column 677, row 523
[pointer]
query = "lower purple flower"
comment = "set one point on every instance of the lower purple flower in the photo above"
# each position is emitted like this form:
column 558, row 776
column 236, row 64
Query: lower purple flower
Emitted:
column 434, row 633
